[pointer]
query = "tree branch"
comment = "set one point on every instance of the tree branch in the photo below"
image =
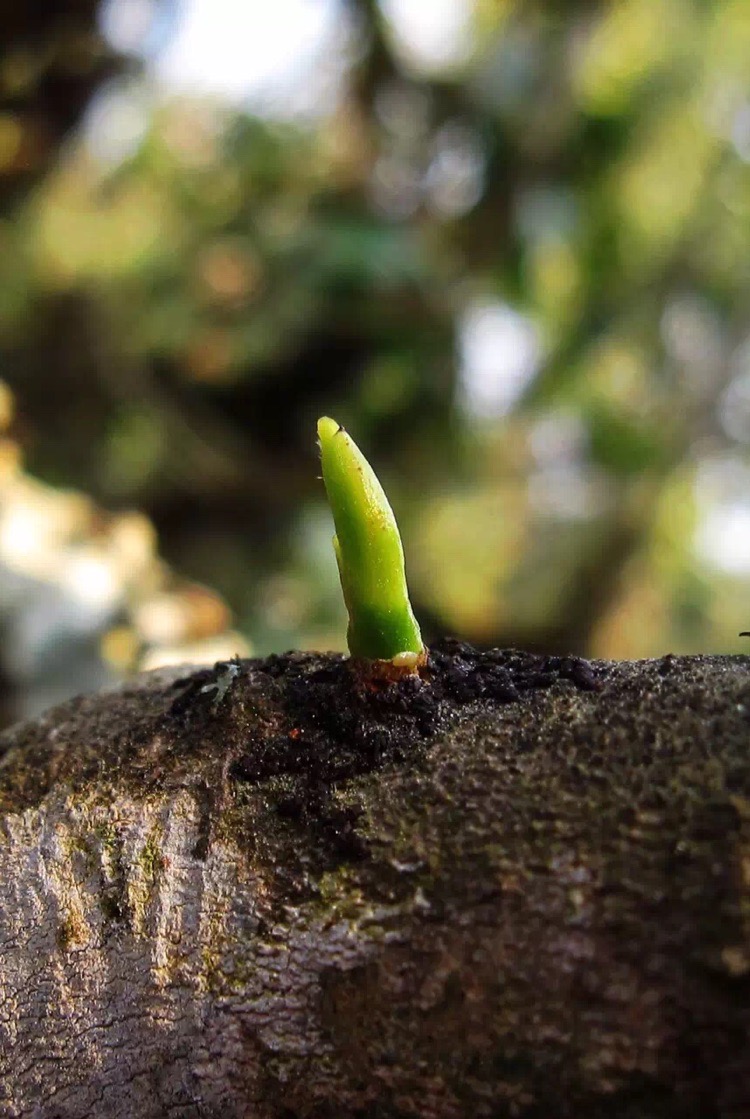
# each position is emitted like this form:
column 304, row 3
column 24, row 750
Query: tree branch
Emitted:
column 516, row 888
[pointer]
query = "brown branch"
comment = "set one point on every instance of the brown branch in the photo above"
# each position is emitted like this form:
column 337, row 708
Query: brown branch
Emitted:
column 517, row 889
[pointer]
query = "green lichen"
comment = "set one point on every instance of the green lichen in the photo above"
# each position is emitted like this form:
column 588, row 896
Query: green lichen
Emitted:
column 143, row 878
column 73, row 930
column 150, row 860
column 64, row 935
column 113, row 900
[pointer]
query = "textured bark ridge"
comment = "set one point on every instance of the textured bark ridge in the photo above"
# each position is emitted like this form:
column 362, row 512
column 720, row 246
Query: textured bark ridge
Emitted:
column 516, row 887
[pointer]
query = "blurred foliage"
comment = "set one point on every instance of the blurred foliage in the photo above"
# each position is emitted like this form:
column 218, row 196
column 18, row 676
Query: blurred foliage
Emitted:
column 52, row 59
column 520, row 275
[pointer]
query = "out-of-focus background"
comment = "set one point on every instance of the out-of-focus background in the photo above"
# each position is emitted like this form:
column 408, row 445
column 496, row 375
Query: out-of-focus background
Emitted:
column 506, row 243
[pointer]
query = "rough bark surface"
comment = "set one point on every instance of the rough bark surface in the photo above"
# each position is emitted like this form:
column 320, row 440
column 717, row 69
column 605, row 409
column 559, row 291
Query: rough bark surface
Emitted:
column 518, row 887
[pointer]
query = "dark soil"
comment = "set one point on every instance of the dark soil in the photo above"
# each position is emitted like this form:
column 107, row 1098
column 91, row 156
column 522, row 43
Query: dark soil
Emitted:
column 351, row 723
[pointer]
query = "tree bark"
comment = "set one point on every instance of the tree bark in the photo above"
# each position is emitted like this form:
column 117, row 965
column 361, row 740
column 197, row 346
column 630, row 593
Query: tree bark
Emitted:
column 517, row 887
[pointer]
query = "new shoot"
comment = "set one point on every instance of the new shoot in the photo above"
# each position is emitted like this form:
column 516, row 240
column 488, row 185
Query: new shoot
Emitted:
column 382, row 626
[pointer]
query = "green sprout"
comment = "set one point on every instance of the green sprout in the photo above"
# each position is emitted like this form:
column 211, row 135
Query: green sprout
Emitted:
column 368, row 551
